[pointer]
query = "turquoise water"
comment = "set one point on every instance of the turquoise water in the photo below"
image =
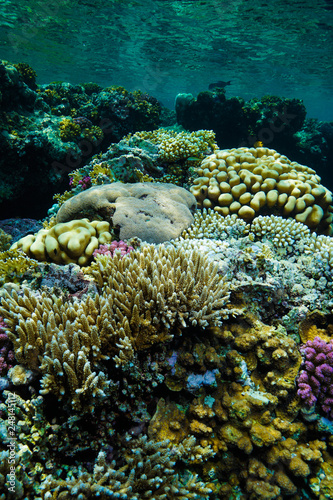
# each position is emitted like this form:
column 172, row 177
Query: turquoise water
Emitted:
column 163, row 47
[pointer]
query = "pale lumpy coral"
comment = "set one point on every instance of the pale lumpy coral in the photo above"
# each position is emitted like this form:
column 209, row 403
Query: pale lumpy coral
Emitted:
column 260, row 181
column 64, row 243
column 154, row 212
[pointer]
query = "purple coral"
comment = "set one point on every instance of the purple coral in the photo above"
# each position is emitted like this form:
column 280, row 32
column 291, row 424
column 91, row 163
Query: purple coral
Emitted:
column 315, row 381
column 7, row 358
column 111, row 248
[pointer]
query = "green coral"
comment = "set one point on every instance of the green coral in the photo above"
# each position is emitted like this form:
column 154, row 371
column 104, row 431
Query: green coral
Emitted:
column 92, row 88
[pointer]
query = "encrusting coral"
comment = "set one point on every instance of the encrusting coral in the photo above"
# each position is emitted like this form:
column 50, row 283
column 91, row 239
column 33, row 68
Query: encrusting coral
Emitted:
column 260, row 181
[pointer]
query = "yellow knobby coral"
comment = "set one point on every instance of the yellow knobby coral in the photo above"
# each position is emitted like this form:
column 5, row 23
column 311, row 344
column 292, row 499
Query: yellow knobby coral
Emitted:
column 249, row 182
column 64, row 243
column 93, row 134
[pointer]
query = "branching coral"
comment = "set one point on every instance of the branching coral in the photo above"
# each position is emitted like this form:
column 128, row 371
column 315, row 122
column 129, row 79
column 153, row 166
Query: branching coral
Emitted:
column 146, row 297
column 148, row 473
column 13, row 265
column 60, row 340
column 283, row 233
column 5, row 240
column 174, row 146
column 155, row 292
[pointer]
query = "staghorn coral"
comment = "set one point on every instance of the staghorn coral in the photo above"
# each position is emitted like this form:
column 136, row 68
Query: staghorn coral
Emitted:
column 57, row 340
column 255, row 181
column 148, row 473
column 153, row 293
column 146, row 297
column 64, row 243
column 7, row 358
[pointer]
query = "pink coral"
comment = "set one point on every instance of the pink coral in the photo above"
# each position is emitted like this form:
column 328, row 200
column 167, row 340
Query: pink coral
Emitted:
column 7, row 358
column 315, row 382
column 111, row 248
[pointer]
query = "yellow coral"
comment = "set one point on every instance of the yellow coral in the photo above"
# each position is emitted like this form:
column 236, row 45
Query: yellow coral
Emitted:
column 93, row 134
column 156, row 291
column 64, row 243
column 247, row 181
column 13, row 265
column 69, row 131
column 5, row 240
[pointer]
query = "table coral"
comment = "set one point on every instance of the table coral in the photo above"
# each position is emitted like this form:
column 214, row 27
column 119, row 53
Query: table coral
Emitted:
column 316, row 377
column 249, row 182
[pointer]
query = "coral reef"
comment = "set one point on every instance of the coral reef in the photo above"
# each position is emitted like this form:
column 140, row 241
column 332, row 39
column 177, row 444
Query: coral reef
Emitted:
column 49, row 130
column 257, row 181
column 198, row 368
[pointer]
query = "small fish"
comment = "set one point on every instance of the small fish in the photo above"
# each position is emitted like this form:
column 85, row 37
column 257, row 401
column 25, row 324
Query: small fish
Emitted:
column 258, row 144
column 219, row 85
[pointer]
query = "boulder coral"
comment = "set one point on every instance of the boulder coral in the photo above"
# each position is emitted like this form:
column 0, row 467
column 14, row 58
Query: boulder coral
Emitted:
column 153, row 212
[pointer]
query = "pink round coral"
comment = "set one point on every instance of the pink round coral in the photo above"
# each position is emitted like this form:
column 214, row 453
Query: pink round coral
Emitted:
column 110, row 249
column 315, row 381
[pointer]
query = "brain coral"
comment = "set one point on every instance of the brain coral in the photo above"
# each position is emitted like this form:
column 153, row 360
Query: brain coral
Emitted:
column 260, row 181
